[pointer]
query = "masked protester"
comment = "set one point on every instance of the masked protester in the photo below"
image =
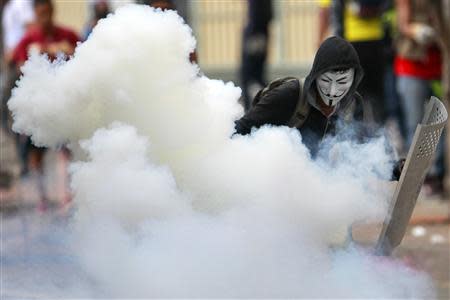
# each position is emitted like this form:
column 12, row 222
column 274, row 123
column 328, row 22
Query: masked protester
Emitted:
column 315, row 107
column 326, row 99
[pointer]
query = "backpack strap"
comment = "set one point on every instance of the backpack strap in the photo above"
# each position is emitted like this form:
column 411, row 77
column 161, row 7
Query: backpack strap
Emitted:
column 273, row 84
column 302, row 109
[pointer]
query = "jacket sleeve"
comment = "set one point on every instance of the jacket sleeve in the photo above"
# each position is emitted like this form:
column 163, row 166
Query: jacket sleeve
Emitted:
column 275, row 107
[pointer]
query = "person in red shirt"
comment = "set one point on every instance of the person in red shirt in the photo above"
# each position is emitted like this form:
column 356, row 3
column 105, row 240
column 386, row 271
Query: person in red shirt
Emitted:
column 418, row 63
column 44, row 37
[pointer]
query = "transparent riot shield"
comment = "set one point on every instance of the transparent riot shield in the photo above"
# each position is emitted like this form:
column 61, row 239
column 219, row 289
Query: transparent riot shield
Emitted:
column 418, row 162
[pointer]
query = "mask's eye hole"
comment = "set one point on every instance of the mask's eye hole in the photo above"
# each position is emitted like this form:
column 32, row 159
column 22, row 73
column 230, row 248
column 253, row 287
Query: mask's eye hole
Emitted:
column 342, row 81
column 325, row 80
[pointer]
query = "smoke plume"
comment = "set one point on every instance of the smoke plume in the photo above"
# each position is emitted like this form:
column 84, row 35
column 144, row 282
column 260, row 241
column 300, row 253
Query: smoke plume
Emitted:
column 170, row 204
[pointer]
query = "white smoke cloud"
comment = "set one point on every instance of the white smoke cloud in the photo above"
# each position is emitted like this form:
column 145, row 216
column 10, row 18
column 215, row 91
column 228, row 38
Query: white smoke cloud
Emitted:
column 133, row 68
column 168, row 205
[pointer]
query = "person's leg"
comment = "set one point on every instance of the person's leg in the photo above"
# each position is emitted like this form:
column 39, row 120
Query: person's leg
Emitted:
column 23, row 148
column 436, row 175
column 413, row 93
column 66, row 157
column 438, row 168
column 36, row 167
column 371, row 87
column 394, row 121
column 3, row 97
column 252, row 69
column 434, row 182
column 11, row 76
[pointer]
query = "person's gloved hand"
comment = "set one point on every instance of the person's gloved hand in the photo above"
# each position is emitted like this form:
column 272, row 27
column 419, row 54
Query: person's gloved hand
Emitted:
column 398, row 168
column 422, row 33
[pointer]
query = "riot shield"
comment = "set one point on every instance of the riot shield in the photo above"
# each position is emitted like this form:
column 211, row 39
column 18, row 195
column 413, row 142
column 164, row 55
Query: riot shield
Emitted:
column 418, row 162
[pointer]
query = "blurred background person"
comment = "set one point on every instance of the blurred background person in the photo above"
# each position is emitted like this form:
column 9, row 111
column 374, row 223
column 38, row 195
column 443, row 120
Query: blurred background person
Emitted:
column 254, row 49
column 49, row 38
column 394, row 122
column 360, row 22
column 324, row 20
column 99, row 10
column 418, row 68
column 16, row 17
column 45, row 36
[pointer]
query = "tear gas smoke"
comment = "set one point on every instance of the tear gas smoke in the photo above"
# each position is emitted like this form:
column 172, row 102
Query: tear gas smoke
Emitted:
column 168, row 205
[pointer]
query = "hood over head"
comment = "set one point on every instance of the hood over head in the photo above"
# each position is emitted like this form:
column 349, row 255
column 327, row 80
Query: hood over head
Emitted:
column 333, row 53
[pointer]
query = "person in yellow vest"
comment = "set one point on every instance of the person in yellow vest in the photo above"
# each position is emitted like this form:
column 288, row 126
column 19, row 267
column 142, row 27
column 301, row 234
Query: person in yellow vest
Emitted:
column 360, row 23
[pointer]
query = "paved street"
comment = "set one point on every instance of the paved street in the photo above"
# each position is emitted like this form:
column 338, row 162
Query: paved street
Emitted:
column 35, row 262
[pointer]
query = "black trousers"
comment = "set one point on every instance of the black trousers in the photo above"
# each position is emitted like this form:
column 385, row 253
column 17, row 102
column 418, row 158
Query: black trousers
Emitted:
column 372, row 60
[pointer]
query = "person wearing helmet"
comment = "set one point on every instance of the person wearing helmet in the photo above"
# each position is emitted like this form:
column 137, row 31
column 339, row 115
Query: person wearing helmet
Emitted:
column 327, row 96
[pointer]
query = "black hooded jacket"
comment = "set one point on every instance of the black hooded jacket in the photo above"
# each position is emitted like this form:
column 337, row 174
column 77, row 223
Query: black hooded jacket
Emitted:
column 286, row 103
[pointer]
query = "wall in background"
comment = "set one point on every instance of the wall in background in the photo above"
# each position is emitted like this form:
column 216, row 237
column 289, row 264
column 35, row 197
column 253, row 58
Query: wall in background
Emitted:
column 218, row 25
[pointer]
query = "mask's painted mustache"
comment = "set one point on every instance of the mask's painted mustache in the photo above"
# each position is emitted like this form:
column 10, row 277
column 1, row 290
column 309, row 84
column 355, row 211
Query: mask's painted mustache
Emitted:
column 328, row 95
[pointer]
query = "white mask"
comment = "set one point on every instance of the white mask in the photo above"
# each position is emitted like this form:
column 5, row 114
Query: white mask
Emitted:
column 333, row 86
